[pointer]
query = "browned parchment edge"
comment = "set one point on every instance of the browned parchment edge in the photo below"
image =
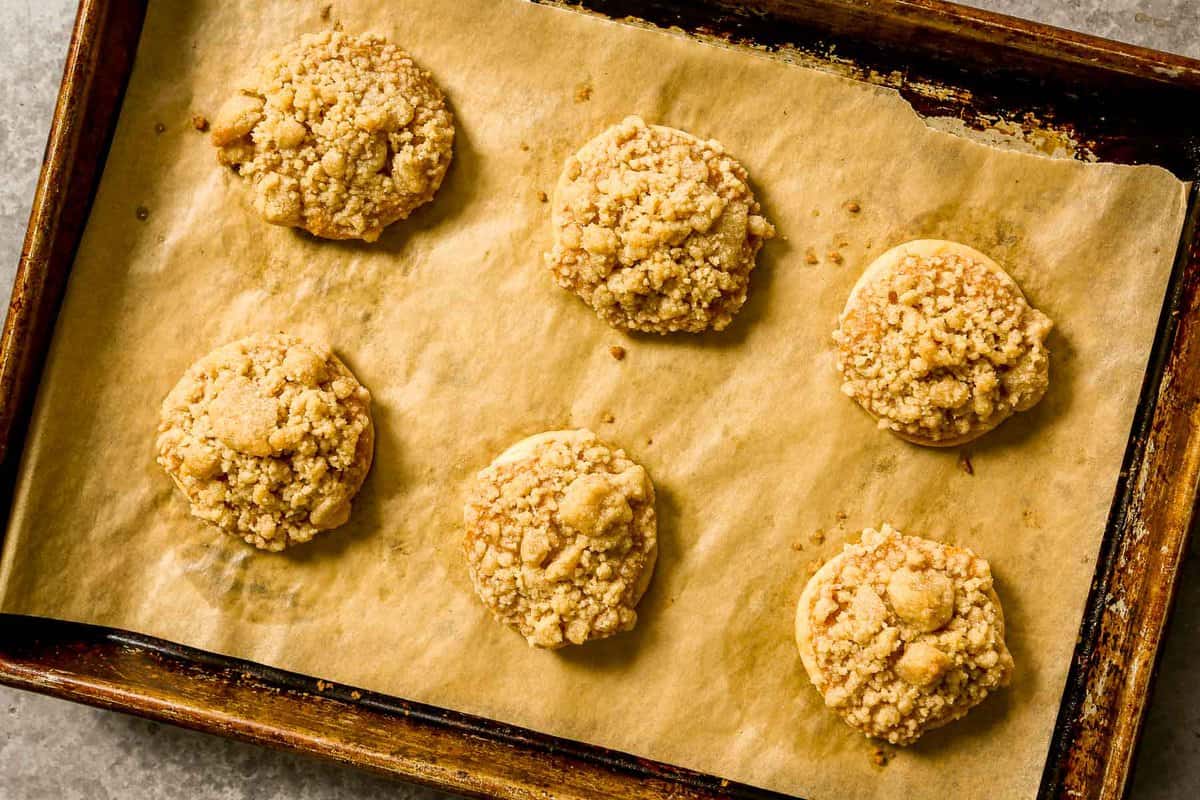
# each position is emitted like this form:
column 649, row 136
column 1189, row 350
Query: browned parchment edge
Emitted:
column 99, row 60
column 931, row 43
column 1110, row 681
column 237, row 699
column 919, row 24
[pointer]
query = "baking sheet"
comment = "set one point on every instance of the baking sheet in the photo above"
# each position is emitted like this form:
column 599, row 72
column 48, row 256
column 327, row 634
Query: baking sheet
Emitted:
column 454, row 324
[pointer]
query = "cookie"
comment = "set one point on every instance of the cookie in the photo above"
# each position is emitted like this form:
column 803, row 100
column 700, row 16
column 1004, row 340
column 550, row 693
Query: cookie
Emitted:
column 269, row 438
column 939, row 345
column 656, row 230
column 902, row 634
column 561, row 538
column 340, row 135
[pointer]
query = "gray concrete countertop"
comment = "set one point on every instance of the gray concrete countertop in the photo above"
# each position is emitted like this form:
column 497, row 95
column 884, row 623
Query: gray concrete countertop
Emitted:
column 52, row 750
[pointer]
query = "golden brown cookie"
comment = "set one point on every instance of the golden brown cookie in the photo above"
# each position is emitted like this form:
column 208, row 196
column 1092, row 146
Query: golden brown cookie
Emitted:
column 938, row 343
column 561, row 538
column 269, row 438
column 656, row 230
column 340, row 135
column 902, row 634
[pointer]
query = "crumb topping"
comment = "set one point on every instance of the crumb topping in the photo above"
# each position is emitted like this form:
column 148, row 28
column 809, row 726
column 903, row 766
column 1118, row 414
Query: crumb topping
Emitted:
column 341, row 135
column 906, row 634
column 561, row 538
column 943, row 348
column 656, row 230
column 269, row 437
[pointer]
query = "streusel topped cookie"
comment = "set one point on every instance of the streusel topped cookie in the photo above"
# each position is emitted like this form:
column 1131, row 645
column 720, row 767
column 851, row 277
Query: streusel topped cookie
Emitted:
column 656, row 230
column 902, row 634
column 561, row 538
column 340, row 135
column 269, row 438
column 938, row 343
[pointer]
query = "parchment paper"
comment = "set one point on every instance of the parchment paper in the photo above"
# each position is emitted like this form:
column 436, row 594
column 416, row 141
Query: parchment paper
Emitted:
column 454, row 324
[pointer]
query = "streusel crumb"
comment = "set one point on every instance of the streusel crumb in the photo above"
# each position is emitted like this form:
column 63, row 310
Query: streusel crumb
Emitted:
column 656, row 230
column 340, row 135
column 902, row 634
column 269, row 438
column 561, row 538
column 940, row 345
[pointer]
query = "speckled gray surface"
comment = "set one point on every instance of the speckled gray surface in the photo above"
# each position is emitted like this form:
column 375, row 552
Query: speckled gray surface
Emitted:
column 52, row 750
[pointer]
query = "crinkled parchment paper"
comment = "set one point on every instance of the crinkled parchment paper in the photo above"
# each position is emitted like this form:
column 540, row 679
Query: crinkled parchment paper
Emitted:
column 453, row 323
